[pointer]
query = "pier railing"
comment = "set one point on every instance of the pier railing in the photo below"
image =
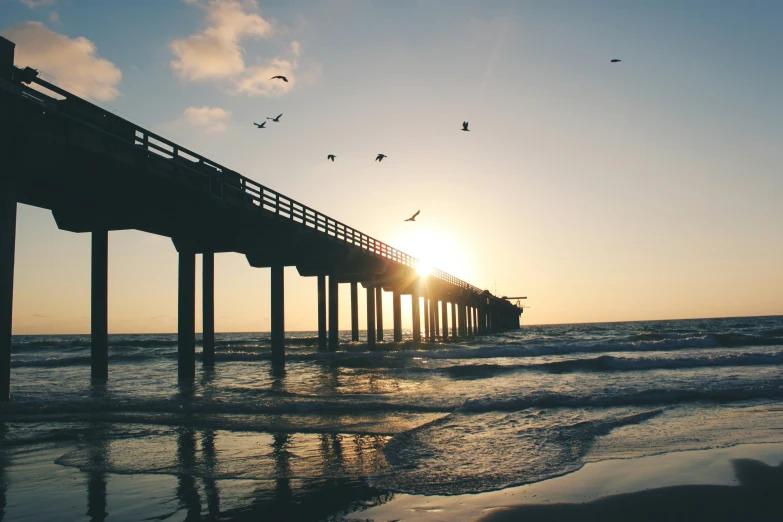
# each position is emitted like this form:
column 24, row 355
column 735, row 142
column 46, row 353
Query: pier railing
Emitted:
column 220, row 180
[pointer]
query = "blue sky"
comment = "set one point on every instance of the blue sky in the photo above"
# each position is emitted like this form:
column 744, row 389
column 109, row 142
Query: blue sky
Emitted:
column 645, row 189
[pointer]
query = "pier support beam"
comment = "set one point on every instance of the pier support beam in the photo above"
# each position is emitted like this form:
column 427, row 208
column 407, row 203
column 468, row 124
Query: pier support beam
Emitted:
column 426, row 318
column 208, row 308
column 354, row 311
column 444, row 313
column 186, row 317
column 379, row 312
column 370, row 317
column 397, row 310
column 454, row 333
column 334, row 337
column 278, row 316
column 322, row 313
column 7, row 248
column 435, row 326
column 99, row 302
column 416, row 313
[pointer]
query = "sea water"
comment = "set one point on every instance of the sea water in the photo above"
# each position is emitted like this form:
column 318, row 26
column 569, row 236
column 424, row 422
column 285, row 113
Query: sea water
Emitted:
column 336, row 432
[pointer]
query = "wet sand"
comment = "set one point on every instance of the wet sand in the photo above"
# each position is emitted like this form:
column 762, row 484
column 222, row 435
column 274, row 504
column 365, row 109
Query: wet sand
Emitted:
column 739, row 483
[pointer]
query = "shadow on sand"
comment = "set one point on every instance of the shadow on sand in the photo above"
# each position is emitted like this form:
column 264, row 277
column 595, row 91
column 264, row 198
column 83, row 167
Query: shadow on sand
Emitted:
column 756, row 498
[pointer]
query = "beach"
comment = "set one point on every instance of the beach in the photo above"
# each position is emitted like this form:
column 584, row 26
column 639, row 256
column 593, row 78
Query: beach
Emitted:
column 555, row 422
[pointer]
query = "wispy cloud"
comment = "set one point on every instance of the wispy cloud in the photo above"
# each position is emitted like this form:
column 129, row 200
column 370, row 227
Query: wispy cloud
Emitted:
column 216, row 53
column 32, row 4
column 54, row 17
column 210, row 119
column 73, row 61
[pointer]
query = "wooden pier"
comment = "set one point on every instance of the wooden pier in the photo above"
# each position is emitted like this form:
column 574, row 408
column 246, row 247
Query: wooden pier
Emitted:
column 98, row 172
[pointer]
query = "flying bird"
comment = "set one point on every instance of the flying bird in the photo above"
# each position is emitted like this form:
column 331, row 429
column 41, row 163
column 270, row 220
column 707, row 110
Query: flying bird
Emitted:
column 331, row 157
column 413, row 217
column 465, row 126
column 380, row 157
column 277, row 119
column 615, row 60
column 261, row 126
column 279, row 78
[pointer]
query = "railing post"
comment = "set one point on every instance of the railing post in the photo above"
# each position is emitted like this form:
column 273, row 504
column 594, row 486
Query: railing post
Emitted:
column 397, row 319
column 379, row 312
column 334, row 337
column 99, row 334
column 208, row 308
column 354, row 311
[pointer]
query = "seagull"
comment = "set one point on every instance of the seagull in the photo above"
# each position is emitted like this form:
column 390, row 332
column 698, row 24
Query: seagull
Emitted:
column 615, row 60
column 380, row 157
column 259, row 126
column 413, row 217
column 279, row 78
column 465, row 126
column 331, row 157
column 277, row 119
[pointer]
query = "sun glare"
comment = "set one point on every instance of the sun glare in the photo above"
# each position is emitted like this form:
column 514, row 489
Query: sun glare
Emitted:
column 423, row 269
column 433, row 248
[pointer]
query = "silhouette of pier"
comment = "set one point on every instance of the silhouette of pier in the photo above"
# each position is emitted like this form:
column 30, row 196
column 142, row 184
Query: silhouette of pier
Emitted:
column 98, row 173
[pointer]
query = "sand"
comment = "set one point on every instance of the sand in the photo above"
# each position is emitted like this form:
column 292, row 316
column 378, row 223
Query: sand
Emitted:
column 739, row 483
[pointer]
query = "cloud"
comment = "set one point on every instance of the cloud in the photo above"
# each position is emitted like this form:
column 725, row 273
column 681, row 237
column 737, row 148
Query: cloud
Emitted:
column 215, row 52
column 72, row 61
column 210, row 119
column 54, row 17
column 257, row 80
column 32, row 4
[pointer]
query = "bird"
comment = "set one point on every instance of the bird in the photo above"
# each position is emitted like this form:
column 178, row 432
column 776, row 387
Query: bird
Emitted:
column 279, row 78
column 380, row 157
column 413, row 217
column 465, row 126
column 615, row 60
column 331, row 157
column 277, row 119
column 261, row 126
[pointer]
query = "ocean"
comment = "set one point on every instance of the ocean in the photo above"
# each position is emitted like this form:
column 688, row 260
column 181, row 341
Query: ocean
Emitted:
column 336, row 433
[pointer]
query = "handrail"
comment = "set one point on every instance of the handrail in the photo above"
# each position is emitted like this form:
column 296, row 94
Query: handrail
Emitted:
column 265, row 198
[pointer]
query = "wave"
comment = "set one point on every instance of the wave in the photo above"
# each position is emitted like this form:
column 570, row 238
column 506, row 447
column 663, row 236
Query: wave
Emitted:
column 659, row 397
column 83, row 360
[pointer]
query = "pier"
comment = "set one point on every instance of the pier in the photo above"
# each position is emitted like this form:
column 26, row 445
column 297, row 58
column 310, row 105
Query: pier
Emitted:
column 99, row 173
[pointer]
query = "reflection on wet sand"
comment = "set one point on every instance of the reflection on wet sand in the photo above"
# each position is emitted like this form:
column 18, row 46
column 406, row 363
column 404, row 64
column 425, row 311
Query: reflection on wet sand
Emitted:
column 97, row 456
column 756, row 498
column 3, row 466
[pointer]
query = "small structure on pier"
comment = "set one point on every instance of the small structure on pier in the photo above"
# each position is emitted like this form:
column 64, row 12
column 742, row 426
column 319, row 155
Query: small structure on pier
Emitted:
column 98, row 172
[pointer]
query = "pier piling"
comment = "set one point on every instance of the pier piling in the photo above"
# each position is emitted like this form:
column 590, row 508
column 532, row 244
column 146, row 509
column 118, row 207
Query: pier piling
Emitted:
column 186, row 317
column 208, row 308
column 444, row 311
column 379, row 312
column 397, row 315
column 370, row 317
column 278, row 315
column 99, row 302
column 322, row 313
column 334, row 337
column 354, row 311
column 416, row 313
column 7, row 248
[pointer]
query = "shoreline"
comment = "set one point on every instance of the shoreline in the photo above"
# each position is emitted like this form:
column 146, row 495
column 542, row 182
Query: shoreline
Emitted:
column 712, row 484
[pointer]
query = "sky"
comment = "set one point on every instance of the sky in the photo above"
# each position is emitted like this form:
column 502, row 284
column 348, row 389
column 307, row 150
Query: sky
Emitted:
column 640, row 190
